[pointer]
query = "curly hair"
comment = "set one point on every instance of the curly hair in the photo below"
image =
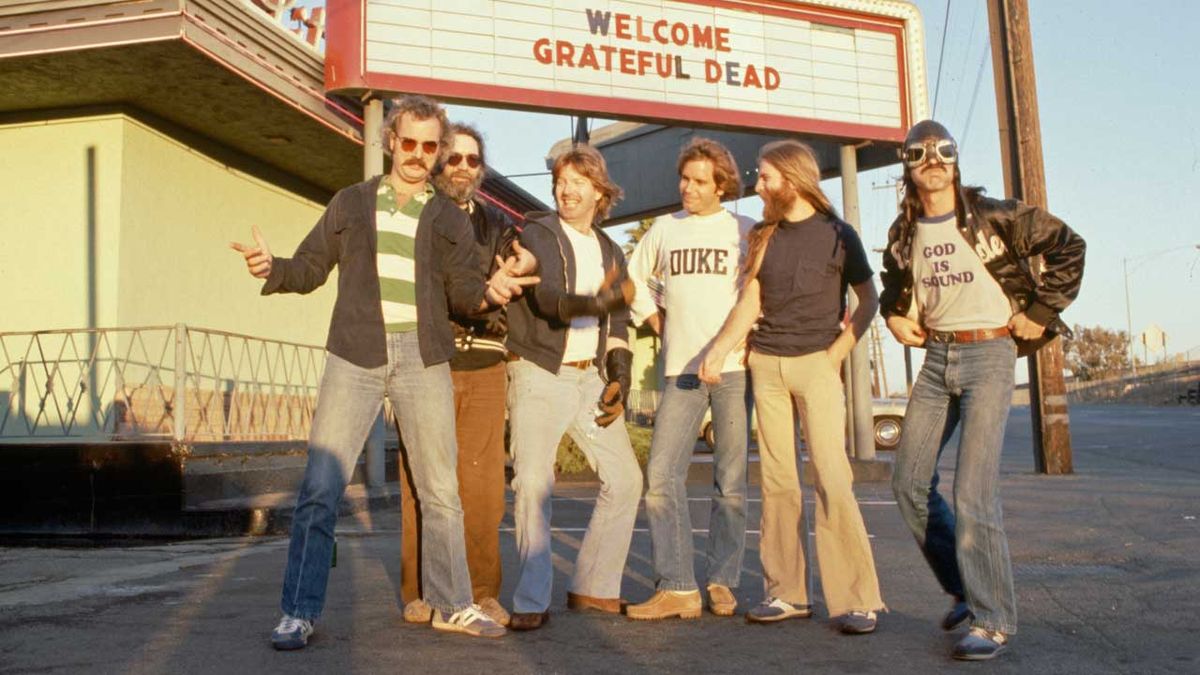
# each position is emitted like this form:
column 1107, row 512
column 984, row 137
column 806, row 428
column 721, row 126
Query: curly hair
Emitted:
column 591, row 165
column 421, row 108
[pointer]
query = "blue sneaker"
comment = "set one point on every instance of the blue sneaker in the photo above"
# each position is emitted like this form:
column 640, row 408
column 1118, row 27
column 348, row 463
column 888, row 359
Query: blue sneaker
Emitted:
column 774, row 609
column 291, row 633
column 858, row 623
column 980, row 644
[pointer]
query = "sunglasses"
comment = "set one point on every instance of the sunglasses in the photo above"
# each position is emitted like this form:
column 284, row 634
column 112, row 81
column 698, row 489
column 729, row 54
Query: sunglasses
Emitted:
column 409, row 144
column 456, row 158
column 918, row 153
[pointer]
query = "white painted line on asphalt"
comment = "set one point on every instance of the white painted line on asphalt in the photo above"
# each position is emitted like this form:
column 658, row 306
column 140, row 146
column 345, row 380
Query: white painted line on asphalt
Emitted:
column 753, row 500
column 643, row 530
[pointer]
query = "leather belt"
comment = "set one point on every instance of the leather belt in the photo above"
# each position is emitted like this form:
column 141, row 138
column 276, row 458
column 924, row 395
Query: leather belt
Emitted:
column 581, row 365
column 966, row 336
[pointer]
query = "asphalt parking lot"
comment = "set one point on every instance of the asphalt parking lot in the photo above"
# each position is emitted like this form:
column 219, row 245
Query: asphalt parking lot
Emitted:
column 1105, row 562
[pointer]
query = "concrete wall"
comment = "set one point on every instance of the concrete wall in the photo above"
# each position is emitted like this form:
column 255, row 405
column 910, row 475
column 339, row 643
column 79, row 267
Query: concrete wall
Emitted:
column 164, row 215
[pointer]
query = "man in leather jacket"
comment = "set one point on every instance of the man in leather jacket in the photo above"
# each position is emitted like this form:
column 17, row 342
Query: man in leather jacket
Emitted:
column 571, row 375
column 957, row 282
column 478, row 373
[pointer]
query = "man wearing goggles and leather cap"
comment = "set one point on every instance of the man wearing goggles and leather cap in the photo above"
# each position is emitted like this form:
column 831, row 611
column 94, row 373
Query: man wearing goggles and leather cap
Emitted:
column 957, row 282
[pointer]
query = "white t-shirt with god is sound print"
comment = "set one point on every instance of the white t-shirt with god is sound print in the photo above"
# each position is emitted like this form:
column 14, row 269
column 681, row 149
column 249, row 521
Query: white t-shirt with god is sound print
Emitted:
column 953, row 289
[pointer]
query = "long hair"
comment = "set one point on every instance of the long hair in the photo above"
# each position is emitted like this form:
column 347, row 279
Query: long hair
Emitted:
column 911, row 209
column 797, row 163
column 724, row 167
column 590, row 164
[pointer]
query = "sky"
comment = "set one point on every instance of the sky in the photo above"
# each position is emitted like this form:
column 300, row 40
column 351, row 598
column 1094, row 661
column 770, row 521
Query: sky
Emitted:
column 1120, row 121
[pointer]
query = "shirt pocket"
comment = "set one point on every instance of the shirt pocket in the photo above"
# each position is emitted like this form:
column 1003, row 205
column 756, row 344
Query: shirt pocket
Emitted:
column 814, row 276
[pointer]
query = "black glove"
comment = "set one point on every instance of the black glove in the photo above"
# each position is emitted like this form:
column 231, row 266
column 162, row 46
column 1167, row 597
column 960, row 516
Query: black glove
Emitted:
column 612, row 297
column 618, row 367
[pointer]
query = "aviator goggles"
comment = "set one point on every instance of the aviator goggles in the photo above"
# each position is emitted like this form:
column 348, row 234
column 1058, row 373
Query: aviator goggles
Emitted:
column 409, row 144
column 456, row 158
column 918, row 153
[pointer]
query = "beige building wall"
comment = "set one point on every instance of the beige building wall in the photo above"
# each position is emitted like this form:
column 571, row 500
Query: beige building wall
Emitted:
column 164, row 216
column 44, row 218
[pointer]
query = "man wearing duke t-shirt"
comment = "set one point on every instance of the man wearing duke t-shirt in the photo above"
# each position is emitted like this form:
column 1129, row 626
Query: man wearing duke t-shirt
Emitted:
column 694, row 257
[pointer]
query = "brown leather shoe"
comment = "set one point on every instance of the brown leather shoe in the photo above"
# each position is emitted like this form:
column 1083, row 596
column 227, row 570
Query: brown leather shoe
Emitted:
column 606, row 605
column 528, row 620
column 666, row 605
column 720, row 600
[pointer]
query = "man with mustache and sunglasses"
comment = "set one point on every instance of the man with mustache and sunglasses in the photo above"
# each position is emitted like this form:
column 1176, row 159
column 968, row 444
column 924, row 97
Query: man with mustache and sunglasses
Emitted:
column 478, row 371
column 406, row 258
column 956, row 282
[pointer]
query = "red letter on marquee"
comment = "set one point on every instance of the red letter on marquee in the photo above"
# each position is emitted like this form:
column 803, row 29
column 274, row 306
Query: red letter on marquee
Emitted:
column 622, row 27
column 541, row 51
column 772, row 76
column 712, row 71
column 750, row 79
column 566, row 53
column 723, row 40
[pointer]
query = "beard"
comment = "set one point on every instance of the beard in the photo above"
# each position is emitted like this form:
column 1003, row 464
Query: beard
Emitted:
column 457, row 190
column 776, row 204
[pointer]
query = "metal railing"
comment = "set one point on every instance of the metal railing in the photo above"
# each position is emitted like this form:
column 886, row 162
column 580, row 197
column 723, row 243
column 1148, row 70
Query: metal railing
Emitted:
column 155, row 382
column 642, row 405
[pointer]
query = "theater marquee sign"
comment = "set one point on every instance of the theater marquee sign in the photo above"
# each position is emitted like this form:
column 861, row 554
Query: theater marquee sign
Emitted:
column 846, row 68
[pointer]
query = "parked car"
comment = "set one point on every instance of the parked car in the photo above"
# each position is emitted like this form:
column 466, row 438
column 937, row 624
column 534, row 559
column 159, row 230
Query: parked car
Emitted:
column 889, row 423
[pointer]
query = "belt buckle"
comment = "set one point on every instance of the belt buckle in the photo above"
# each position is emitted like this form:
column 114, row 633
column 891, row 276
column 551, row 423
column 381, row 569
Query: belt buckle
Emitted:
column 942, row 337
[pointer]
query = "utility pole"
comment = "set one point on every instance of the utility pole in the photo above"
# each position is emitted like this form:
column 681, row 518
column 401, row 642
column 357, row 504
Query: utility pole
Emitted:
column 896, row 184
column 1025, row 179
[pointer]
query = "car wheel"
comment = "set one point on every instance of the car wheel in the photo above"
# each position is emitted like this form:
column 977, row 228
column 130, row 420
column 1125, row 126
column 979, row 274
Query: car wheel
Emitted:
column 887, row 431
column 710, row 436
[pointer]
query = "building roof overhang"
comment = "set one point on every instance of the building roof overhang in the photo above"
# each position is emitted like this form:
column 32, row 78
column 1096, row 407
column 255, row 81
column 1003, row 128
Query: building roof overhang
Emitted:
column 221, row 69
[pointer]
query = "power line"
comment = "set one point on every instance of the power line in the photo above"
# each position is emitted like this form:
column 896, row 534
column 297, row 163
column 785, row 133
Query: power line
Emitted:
column 937, row 87
column 965, row 64
column 974, row 97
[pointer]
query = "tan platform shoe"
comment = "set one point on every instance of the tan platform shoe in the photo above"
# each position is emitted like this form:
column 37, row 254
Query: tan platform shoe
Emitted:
column 667, row 605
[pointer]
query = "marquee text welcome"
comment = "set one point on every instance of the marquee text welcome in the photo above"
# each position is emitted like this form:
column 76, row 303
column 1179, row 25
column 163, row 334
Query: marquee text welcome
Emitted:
column 645, row 58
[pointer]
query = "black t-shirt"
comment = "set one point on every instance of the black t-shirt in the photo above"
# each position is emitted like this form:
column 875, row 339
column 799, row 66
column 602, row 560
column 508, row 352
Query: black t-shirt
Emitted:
column 804, row 275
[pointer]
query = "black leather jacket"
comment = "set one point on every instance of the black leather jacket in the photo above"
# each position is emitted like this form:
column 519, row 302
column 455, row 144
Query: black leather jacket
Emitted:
column 1005, row 234
column 536, row 330
column 479, row 337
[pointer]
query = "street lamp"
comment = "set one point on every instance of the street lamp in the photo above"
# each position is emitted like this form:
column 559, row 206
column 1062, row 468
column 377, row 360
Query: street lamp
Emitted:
column 1128, row 312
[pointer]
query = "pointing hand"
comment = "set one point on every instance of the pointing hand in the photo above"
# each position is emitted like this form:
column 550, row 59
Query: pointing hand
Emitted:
column 258, row 257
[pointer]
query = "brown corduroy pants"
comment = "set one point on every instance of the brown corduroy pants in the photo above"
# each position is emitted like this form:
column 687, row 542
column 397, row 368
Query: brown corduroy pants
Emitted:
column 479, row 397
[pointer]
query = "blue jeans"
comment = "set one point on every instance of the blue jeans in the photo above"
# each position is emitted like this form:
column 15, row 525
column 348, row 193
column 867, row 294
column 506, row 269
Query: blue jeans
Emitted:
column 969, row 385
column 347, row 405
column 542, row 407
column 675, row 425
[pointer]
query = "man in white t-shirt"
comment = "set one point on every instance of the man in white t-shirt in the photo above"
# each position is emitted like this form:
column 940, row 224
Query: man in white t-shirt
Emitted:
column 571, row 376
column 694, row 256
column 955, row 283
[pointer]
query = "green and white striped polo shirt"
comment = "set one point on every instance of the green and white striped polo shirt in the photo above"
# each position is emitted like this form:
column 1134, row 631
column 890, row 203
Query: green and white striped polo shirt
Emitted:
column 397, row 235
